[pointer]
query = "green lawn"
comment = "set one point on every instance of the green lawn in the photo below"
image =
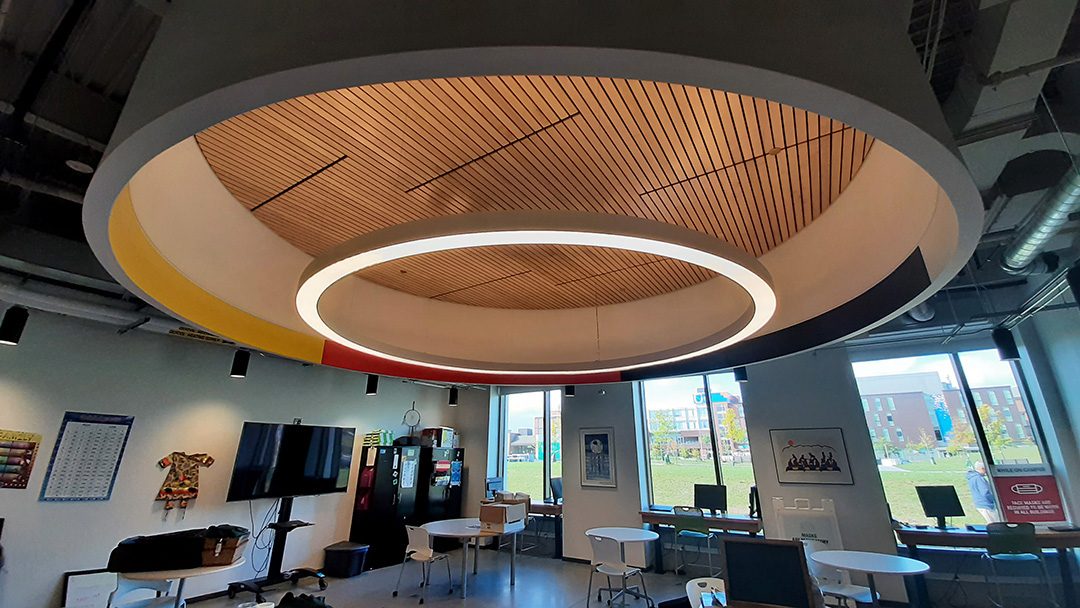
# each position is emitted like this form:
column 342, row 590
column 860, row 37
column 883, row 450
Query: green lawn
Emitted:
column 673, row 484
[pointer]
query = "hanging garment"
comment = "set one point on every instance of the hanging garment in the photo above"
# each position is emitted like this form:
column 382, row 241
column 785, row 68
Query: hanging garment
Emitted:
column 182, row 482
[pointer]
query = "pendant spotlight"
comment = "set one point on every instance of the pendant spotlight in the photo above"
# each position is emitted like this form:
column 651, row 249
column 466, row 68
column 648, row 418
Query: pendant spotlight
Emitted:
column 12, row 326
column 240, row 362
column 372, row 385
column 569, row 391
column 740, row 374
column 453, row 396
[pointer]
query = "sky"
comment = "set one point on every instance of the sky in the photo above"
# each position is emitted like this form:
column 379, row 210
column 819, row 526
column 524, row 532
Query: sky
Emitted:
column 983, row 368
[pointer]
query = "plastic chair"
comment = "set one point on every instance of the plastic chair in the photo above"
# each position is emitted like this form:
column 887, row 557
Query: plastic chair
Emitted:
column 607, row 560
column 690, row 523
column 1013, row 542
column 419, row 550
column 833, row 582
column 695, row 587
column 125, row 585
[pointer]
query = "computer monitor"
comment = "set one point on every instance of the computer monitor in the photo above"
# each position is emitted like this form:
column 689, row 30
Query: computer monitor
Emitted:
column 940, row 502
column 755, row 502
column 766, row 571
column 493, row 484
column 711, row 497
column 556, row 489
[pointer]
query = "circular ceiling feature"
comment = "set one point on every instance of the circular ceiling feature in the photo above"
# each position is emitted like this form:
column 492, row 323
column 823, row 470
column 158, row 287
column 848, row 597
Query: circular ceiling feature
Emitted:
column 810, row 154
column 517, row 229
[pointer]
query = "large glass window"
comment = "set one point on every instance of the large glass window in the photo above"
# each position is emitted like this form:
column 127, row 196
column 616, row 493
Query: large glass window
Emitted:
column 933, row 440
column 994, row 383
column 687, row 446
column 533, row 444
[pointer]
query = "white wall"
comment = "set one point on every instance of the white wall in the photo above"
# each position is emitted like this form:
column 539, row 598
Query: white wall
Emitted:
column 810, row 390
column 589, row 507
column 182, row 399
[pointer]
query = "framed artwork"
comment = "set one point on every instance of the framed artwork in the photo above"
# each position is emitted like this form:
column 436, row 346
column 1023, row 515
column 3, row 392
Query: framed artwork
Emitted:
column 598, row 457
column 811, row 456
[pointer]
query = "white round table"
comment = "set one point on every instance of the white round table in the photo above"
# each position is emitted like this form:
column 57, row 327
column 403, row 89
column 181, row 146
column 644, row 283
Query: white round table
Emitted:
column 465, row 529
column 623, row 536
column 870, row 564
column 180, row 575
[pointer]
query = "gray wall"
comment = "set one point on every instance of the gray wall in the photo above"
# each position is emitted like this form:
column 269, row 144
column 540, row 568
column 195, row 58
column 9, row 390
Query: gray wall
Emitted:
column 811, row 390
column 182, row 399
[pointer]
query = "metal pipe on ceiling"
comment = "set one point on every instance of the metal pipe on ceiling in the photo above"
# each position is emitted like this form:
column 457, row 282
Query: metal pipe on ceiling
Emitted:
column 1051, row 214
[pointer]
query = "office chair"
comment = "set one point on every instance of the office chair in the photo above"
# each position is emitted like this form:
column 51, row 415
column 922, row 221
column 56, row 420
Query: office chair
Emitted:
column 419, row 550
column 556, row 489
column 1009, row 542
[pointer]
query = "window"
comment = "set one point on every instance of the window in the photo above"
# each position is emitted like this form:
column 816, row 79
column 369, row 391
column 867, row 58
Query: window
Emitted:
column 533, row 448
column 890, row 419
column 986, row 372
column 892, row 405
column 877, row 403
column 928, row 443
column 865, row 406
column 679, row 456
column 877, row 419
column 937, row 439
column 873, row 434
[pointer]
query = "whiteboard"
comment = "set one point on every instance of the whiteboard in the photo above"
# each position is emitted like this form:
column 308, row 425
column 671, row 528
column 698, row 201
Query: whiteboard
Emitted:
column 89, row 589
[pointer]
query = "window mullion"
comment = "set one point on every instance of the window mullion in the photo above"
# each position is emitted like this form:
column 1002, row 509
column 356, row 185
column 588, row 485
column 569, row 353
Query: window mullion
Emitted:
column 973, row 411
column 546, row 439
column 717, row 470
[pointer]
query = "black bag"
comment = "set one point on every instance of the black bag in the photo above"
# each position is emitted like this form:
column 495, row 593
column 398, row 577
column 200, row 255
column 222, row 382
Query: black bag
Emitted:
column 302, row 601
column 172, row 551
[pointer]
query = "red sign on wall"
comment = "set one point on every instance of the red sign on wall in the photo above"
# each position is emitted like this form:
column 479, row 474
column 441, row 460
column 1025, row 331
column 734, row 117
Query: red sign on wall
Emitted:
column 1031, row 498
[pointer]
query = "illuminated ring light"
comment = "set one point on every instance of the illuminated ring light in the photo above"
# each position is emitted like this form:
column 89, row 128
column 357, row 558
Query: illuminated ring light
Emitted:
column 533, row 228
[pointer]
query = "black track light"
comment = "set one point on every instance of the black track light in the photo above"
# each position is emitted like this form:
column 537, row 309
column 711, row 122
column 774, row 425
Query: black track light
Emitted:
column 453, row 396
column 372, row 385
column 12, row 326
column 1006, row 344
column 240, row 362
column 740, row 374
column 568, row 391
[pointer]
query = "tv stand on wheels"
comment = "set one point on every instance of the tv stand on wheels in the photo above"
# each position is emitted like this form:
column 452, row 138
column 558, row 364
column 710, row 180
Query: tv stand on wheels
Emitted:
column 275, row 576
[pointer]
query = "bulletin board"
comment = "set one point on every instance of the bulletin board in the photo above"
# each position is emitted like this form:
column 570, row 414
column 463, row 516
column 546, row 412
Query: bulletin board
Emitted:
column 86, row 457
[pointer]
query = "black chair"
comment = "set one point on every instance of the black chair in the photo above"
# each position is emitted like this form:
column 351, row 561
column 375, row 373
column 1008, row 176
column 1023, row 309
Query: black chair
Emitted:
column 556, row 489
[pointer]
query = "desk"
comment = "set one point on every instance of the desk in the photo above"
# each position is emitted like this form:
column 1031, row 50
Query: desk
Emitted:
column 180, row 575
column 546, row 509
column 724, row 523
column 469, row 528
column 1062, row 542
column 871, row 564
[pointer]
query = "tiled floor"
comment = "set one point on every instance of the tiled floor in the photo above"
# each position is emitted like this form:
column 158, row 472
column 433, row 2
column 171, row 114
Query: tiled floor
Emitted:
column 541, row 583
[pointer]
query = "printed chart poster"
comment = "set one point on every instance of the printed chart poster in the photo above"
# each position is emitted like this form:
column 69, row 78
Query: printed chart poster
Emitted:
column 1032, row 498
column 17, row 453
column 87, row 457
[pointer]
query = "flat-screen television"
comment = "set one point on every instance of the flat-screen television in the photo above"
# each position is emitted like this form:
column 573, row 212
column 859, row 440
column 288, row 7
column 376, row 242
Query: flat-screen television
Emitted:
column 279, row 460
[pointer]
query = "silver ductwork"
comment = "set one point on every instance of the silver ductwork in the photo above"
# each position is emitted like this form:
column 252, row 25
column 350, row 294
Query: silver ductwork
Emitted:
column 1050, row 215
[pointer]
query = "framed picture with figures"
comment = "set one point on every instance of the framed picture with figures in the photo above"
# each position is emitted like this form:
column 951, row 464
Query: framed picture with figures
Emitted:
column 598, row 457
column 811, row 456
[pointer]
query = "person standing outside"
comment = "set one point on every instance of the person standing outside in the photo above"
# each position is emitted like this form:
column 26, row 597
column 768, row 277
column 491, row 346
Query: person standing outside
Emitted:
column 981, row 492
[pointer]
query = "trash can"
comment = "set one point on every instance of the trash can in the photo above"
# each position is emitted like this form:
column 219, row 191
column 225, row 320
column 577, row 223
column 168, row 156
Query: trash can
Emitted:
column 344, row 559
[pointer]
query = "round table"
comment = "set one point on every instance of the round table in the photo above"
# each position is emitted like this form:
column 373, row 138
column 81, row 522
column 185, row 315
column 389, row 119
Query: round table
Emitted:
column 180, row 575
column 623, row 536
column 468, row 528
column 870, row 564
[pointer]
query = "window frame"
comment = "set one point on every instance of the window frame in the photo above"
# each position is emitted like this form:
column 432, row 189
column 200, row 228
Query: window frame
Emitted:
column 718, row 469
column 504, row 447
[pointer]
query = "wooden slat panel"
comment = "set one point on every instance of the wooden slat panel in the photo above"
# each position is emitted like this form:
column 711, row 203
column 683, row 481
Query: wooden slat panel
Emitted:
column 748, row 171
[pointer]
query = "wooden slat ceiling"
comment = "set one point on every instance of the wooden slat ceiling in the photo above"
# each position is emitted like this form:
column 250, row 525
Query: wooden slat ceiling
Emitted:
column 324, row 168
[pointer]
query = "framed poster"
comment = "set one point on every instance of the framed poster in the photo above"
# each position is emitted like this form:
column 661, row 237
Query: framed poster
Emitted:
column 598, row 457
column 811, row 456
column 86, row 457
column 88, row 588
column 17, row 453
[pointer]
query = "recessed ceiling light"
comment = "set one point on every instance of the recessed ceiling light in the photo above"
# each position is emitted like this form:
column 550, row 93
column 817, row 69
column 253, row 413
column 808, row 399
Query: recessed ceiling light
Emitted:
column 78, row 166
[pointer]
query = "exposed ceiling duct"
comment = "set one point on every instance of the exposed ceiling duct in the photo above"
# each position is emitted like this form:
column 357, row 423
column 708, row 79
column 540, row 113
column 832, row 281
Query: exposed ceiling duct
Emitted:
column 1051, row 214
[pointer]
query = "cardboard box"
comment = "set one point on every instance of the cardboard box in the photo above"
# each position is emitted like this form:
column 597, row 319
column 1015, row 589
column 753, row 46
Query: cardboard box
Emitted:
column 511, row 498
column 503, row 517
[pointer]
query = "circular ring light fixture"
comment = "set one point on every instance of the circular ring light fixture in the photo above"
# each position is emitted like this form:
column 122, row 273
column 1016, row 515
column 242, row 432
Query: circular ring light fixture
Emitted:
column 573, row 229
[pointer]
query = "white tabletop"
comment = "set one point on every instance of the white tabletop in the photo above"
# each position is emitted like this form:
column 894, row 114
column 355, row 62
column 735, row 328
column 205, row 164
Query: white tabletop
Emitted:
column 466, row 527
column 624, row 535
column 164, row 575
column 873, row 563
